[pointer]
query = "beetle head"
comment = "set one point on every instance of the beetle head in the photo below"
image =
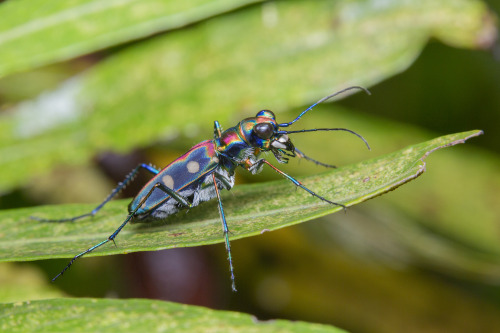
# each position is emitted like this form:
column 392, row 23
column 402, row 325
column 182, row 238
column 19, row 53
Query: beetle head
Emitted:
column 264, row 135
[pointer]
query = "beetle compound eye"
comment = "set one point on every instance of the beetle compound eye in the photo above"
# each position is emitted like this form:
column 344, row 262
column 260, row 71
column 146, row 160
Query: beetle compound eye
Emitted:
column 264, row 130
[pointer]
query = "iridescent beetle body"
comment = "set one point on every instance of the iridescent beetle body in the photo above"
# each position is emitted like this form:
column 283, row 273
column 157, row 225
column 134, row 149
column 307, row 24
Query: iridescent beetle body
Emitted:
column 188, row 175
column 208, row 167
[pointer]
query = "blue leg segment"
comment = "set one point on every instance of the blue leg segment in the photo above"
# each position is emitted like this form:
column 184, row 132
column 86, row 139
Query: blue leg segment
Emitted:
column 226, row 232
column 304, row 156
column 297, row 183
column 123, row 184
column 160, row 186
column 171, row 193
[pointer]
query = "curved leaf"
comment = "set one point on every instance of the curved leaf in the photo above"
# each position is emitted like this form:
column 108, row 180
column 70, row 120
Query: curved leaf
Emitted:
column 260, row 57
column 250, row 210
column 33, row 33
column 136, row 315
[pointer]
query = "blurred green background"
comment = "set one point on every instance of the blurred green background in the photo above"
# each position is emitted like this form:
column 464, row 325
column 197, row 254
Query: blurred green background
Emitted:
column 89, row 91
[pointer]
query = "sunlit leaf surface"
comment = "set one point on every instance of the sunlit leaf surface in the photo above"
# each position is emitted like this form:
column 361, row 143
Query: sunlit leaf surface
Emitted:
column 66, row 29
column 276, row 55
column 136, row 315
column 250, row 209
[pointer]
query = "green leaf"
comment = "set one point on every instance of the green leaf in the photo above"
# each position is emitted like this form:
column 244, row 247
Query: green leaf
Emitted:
column 37, row 32
column 458, row 189
column 250, row 210
column 278, row 55
column 429, row 222
column 136, row 315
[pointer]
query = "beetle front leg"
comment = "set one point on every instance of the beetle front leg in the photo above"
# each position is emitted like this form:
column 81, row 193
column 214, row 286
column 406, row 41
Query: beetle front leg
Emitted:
column 304, row 156
column 253, row 165
column 260, row 163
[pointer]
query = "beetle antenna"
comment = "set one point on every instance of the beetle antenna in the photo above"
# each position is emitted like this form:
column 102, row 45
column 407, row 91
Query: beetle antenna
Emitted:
column 327, row 129
column 323, row 100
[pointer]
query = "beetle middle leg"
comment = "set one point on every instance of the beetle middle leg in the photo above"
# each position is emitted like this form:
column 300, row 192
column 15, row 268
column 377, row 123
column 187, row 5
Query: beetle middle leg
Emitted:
column 224, row 227
column 128, row 179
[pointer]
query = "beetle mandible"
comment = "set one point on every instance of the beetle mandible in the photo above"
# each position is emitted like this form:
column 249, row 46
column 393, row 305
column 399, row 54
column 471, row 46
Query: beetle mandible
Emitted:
column 209, row 167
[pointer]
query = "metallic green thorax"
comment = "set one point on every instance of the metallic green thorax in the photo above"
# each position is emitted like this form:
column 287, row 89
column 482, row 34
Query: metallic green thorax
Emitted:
column 241, row 145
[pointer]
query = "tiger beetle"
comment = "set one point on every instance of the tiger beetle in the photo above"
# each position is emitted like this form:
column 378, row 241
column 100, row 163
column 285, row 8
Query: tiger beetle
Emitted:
column 209, row 167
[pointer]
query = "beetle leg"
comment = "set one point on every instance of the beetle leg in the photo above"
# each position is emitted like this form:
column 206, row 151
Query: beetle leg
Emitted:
column 227, row 184
column 172, row 194
column 117, row 189
column 304, row 156
column 160, row 186
column 226, row 231
column 297, row 183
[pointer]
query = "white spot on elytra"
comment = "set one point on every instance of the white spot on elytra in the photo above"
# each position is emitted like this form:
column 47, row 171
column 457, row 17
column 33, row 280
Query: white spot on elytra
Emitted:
column 193, row 167
column 168, row 181
column 215, row 159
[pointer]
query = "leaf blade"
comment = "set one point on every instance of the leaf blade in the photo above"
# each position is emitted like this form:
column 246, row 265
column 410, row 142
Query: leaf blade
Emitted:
column 65, row 30
column 251, row 210
column 136, row 315
column 242, row 61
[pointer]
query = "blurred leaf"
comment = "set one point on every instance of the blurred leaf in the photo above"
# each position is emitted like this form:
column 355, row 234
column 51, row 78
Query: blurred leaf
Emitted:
column 20, row 283
column 251, row 210
column 36, row 32
column 276, row 56
column 136, row 315
column 384, row 232
column 302, row 272
column 456, row 201
column 457, row 198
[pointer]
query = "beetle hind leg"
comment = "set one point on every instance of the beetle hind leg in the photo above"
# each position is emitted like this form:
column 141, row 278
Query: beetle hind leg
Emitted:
column 128, row 179
column 182, row 200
